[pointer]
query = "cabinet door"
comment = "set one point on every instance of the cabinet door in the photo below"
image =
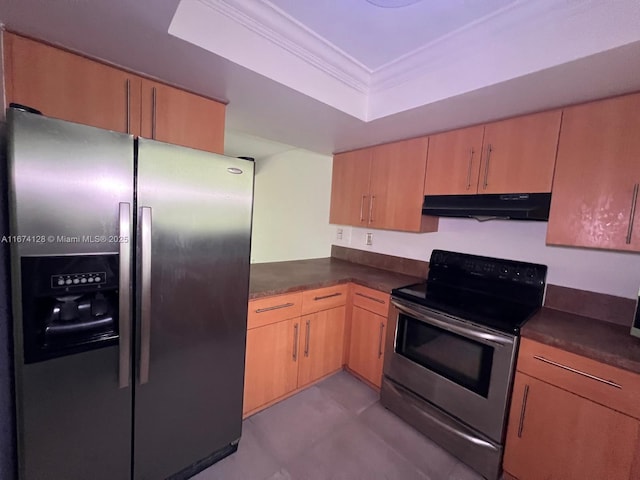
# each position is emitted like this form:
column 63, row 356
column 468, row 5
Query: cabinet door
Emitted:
column 397, row 186
column 271, row 368
column 70, row 87
column 556, row 435
column 519, row 154
column 453, row 162
column 597, row 176
column 350, row 188
column 175, row 116
column 322, row 338
column 366, row 352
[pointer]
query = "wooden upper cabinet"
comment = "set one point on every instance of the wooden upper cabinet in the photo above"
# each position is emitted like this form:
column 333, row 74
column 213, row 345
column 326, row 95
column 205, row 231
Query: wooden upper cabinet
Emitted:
column 397, row 186
column 71, row 87
column 175, row 116
column 597, row 176
column 453, row 163
column 519, row 154
column 557, row 435
column 350, row 188
column 382, row 187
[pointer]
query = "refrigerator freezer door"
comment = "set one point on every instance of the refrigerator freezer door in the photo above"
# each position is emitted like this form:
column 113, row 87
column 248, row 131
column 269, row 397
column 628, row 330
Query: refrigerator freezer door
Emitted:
column 192, row 296
column 67, row 182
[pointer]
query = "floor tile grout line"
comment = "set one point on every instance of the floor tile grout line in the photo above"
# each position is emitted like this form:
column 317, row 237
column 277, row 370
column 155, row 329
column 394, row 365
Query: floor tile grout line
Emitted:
column 398, row 451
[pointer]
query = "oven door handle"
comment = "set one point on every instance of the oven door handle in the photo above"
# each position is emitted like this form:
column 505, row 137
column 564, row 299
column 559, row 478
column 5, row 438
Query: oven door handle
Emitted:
column 471, row 333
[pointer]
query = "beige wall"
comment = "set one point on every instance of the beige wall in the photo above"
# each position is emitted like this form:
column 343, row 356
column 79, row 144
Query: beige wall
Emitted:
column 291, row 207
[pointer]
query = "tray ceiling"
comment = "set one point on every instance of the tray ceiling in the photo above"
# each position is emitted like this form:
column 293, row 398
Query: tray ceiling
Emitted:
column 295, row 83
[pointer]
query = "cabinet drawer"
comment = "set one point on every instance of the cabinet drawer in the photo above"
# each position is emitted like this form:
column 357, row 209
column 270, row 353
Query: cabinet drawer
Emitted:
column 323, row 298
column 372, row 300
column 609, row 386
column 264, row 311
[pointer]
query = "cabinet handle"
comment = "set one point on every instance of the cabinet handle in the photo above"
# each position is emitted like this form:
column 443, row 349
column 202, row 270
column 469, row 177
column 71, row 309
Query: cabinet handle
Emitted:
column 522, row 410
column 362, row 208
column 337, row 294
column 632, row 214
column 469, row 171
column 153, row 112
column 380, row 340
column 573, row 370
column 295, row 342
column 486, row 167
column 370, row 298
column 373, row 197
column 275, row 307
column 128, row 106
column 306, row 340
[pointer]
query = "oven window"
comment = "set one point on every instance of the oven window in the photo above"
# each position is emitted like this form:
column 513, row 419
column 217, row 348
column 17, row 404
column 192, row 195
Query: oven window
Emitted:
column 461, row 360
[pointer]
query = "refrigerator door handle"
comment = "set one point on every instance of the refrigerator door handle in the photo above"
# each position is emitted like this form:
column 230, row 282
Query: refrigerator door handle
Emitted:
column 124, row 293
column 145, row 292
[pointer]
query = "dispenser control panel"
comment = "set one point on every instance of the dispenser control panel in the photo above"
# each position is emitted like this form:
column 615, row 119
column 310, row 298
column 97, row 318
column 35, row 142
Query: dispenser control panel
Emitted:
column 78, row 279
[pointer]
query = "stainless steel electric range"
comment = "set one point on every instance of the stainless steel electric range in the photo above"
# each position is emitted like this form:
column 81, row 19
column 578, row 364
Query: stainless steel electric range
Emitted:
column 452, row 344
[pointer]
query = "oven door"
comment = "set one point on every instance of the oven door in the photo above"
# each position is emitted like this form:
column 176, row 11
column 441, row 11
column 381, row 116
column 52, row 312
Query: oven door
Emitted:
column 460, row 367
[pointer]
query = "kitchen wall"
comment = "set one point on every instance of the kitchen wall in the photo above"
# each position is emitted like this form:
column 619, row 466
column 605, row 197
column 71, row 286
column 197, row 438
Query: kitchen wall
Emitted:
column 592, row 270
column 291, row 207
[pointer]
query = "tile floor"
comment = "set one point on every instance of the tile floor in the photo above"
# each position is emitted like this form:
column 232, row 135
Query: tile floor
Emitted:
column 334, row 430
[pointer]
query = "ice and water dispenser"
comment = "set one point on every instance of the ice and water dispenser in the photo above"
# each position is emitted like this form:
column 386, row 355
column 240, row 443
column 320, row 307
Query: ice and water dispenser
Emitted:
column 69, row 304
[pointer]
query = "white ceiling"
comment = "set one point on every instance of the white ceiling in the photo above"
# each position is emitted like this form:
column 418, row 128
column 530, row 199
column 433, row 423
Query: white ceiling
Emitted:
column 286, row 83
column 375, row 36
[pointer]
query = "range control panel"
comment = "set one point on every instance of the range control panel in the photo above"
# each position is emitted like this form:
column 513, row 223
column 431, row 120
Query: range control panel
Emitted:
column 78, row 279
column 488, row 268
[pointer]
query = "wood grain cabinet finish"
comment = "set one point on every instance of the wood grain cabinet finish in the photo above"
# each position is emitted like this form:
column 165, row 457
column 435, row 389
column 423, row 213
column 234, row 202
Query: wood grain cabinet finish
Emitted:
column 397, row 187
column 597, row 177
column 271, row 367
column 175, row 116
column 71, row 87
column 453, row 163
column 321, row 338
column 286, row 351
column 366, row 352
column 516, row 155
column 557, row 435
column 519, row 154
column 382, row 187
column 572, row 418
column 350, row 188
column 368, row 328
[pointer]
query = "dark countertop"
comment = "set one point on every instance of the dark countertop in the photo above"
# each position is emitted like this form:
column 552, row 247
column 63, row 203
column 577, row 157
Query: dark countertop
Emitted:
column 596, row 339
column 284, row 277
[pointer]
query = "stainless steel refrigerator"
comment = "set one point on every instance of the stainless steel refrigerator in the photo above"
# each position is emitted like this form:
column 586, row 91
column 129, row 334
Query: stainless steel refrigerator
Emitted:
column 130, row 277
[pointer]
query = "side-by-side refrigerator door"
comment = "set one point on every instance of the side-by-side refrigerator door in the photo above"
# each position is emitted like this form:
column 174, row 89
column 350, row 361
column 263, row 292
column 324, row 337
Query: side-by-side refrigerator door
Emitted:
column 71, row 204
column 193, row 240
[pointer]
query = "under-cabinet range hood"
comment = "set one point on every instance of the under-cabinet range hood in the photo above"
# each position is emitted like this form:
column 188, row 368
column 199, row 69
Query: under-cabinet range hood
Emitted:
column 518, row 206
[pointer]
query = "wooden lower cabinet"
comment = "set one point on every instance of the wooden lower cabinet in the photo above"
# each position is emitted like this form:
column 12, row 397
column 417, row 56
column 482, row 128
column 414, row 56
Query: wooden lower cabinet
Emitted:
column 366, row 352
column 285, row 355
column 556, row 435
column 271, row 369
column 321, row 340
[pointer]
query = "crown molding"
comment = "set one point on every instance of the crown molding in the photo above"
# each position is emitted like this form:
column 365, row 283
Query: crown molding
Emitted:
column 276, row 26
column 522, row 38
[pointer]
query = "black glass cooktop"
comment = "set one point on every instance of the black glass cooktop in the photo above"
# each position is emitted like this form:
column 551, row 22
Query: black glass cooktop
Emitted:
column 500, row 294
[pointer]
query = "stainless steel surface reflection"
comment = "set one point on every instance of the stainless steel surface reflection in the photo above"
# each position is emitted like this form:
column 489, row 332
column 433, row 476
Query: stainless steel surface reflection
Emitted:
column 200, row 222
